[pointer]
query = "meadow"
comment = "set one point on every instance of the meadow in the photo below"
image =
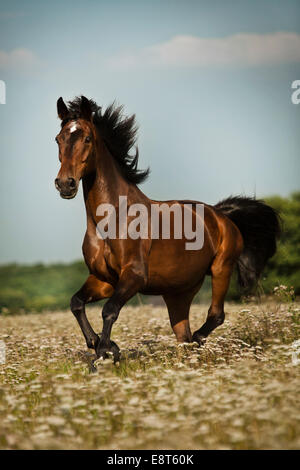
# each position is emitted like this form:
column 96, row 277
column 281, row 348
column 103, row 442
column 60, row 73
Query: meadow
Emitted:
column 240, row 391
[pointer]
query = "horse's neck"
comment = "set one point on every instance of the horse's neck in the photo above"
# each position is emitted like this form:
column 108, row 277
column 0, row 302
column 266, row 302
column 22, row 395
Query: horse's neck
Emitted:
column 106, row 185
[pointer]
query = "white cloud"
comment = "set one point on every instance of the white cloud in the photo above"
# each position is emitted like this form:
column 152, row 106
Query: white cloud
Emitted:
column 242, row 49
column 18, row 59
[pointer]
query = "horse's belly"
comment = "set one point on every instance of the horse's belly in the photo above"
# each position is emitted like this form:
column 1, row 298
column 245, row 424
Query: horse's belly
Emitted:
column 173, row 267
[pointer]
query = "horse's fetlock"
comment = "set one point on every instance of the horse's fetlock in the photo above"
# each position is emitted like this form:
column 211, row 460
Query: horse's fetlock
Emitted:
column 92, row 343
column 220, row 318
column 216, row 317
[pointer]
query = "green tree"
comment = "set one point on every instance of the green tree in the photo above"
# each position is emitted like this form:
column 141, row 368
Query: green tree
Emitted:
column 284, row 267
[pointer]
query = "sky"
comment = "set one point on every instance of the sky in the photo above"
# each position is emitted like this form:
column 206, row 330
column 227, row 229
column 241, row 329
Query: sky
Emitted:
column 209, row 82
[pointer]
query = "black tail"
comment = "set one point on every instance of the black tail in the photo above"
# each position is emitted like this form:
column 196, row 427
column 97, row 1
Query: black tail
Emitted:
column 260, row 227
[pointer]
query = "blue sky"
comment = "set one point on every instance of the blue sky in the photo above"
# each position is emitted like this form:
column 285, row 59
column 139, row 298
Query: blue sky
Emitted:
column 209, row 81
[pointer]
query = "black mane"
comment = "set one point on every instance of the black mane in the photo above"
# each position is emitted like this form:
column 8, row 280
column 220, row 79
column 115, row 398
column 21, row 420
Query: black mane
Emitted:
column 119, row 134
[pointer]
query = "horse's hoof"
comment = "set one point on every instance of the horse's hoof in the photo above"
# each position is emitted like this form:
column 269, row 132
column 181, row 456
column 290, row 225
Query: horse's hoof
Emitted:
column 199, row 339
column 104, row 352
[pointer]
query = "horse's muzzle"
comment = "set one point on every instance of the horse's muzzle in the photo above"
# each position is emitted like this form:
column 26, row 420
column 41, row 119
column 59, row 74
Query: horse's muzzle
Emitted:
column 67, row 187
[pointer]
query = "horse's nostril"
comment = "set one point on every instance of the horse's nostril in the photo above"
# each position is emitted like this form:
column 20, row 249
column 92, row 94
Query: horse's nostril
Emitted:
column 72, row 183
column 57, row 185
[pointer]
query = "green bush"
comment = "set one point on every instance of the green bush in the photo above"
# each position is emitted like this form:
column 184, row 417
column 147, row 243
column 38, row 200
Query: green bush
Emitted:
column 284, row 267
column 40, row 287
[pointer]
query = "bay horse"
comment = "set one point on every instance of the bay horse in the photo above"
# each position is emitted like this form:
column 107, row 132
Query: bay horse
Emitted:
column 241, row 232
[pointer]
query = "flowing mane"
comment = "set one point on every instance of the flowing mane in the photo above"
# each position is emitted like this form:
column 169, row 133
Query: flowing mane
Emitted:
column 118, row 132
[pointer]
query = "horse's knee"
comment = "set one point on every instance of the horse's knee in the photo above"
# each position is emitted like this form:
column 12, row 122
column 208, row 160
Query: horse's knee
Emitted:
column 110, row 311
column 76, row 305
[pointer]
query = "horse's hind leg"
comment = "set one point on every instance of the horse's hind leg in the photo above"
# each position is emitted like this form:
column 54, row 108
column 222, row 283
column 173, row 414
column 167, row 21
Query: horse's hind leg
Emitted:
column 91, row 291
column 179, row 309
column 221, row 271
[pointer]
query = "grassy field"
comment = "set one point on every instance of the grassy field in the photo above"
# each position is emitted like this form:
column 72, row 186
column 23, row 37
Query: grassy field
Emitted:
column 240, row 391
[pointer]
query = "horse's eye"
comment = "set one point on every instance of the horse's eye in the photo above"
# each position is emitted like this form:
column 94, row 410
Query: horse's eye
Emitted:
column 87, row 139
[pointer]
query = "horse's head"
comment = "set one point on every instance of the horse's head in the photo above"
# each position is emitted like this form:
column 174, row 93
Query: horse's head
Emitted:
column 76, row 142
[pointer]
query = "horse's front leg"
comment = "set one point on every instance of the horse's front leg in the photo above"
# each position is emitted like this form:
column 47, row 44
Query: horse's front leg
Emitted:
column 91, row 291
column 131, row 280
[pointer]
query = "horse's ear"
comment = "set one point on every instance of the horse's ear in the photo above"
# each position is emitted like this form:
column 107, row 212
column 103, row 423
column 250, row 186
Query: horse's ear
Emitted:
column 62, row 109
column 85, row 108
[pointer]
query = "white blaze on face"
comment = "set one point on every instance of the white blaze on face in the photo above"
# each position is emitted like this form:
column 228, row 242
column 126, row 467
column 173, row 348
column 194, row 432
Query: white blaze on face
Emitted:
column 74, row 127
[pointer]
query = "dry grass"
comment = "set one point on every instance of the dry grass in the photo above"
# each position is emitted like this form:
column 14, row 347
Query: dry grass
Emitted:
column 240, row 391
